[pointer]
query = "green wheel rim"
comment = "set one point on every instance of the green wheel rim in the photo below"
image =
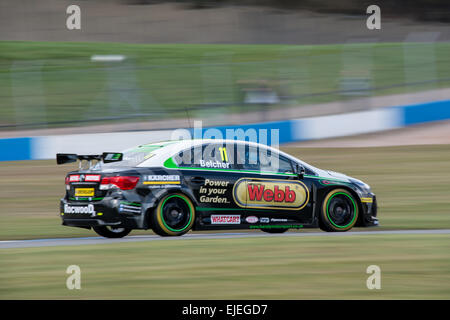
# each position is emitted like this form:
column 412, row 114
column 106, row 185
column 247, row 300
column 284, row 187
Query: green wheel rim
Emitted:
column 354, row 210
column 162, row 216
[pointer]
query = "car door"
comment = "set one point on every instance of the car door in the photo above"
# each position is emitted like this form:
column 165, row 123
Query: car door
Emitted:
column 269, row 190
column 210, row 172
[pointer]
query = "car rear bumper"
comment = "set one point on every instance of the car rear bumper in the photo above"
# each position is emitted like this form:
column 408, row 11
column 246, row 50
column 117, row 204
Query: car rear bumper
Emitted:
column 107, row 212
column 88, row 223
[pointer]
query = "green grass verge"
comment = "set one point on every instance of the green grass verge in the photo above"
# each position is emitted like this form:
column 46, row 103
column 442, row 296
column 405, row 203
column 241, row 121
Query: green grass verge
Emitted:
column 411, row 184
column 412, row 267
column 56, row 81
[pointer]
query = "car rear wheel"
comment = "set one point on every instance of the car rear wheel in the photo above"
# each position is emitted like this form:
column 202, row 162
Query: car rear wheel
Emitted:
column 174, row 215
column 339, row 211
column 112, row 232
column 274, row 230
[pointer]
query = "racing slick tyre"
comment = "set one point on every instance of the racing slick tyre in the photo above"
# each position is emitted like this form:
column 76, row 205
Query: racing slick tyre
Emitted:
column 339, row 211
column 111, row 232
column 174, row 215
column 275, row 230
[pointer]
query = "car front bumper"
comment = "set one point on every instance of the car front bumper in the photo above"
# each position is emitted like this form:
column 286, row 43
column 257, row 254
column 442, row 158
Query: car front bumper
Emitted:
column 370, row 210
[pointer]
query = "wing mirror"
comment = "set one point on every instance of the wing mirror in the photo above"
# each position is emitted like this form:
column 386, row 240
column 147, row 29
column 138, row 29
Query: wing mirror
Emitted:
column 300, row 171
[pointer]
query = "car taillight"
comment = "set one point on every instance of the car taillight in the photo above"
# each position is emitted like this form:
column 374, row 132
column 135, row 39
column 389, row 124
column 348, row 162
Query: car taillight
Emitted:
column 122, row 182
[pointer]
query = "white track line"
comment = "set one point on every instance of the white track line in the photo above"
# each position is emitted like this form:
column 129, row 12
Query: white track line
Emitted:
column 192, row 236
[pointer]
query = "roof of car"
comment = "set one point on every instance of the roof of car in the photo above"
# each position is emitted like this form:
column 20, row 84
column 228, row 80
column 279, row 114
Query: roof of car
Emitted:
column 183, row 144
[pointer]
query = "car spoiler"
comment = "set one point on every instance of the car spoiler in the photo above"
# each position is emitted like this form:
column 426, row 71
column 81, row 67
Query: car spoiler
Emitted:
column 63, row 158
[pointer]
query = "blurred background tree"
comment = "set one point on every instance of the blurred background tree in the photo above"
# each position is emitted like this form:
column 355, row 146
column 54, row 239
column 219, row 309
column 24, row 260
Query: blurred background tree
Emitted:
column 429, row 10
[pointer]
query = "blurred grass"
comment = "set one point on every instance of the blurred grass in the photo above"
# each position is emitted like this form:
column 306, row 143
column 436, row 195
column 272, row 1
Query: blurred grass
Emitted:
column 411, row 183
column 412, row 267
column 51, row 82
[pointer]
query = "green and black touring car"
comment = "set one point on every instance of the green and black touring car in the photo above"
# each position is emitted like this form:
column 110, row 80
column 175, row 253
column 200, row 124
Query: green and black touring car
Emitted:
column 176, row 186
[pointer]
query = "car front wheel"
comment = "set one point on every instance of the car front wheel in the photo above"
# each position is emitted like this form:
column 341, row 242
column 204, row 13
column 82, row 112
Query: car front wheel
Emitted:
column 339, row 211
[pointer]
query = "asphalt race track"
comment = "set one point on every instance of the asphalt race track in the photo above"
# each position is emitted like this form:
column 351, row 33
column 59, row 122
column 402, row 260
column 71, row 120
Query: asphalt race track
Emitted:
column 191, row 236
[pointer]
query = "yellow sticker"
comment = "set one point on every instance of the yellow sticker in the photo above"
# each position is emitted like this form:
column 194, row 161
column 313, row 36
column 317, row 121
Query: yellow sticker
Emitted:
column 84, row 192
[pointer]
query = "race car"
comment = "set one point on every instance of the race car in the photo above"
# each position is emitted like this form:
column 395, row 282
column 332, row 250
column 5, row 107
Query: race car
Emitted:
column 172, row 187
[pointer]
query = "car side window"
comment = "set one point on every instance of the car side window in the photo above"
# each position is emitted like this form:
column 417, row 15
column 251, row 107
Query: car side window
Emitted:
column 247, row 157
column 216, row 156
column 262, row 159
column 275, row 163
column 186, row 158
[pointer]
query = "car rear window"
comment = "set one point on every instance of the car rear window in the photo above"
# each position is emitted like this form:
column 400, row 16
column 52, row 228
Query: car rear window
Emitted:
column 134, row 156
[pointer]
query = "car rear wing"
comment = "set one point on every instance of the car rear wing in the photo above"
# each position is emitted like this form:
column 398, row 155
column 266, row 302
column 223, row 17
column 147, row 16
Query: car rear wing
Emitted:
column 106, row 157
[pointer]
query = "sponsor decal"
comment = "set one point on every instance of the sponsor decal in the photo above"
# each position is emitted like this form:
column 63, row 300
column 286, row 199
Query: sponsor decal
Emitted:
column 213, row 191
column 216, row 199
column 162, row 179
column 86, row 198
column 164, row 186
column 89, row 209
column 92, row 177
column 251, row 219
column 258, row 192
column 84, row 192
column 216, row 183
column 367, row 200
column 217, row 164
column 84, row 177
column 225, row 219
column 74, row 178
column 264, row 220
column 273, row 226
column 270, row 194
column 278, row 220
column 329, row 183
column 214, row 164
